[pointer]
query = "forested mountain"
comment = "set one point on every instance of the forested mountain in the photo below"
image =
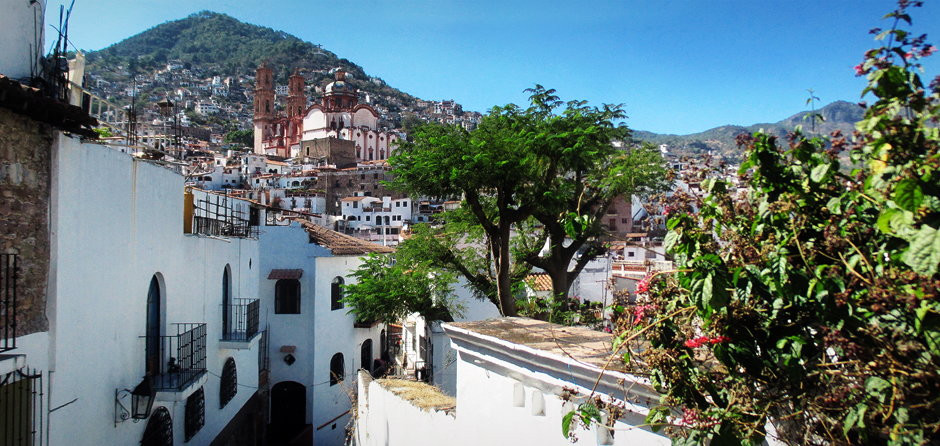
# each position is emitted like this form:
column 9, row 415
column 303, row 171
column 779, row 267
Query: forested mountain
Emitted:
column 839, row 115
column 218, row 44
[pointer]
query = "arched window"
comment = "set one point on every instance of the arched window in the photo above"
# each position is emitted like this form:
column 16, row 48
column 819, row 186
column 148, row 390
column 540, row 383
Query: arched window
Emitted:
column 336, row 293
column 287, row 296
column 337, row 369
column 154, row 328
column 228, row 384
column 195, row 413
column 226, row 299
column 159, row 430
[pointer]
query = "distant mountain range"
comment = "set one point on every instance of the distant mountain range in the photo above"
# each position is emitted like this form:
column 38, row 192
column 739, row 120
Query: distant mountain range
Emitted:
column 839, row 115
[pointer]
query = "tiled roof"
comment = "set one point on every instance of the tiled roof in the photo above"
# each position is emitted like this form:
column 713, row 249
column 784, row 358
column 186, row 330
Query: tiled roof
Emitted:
column 539, row 281
column 278, row 274
column 341, row 244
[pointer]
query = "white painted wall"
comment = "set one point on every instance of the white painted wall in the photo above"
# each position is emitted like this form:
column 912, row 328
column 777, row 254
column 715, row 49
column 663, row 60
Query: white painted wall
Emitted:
column 318, row 332
column 487, row 410
column 110, row 234
column 19, row 33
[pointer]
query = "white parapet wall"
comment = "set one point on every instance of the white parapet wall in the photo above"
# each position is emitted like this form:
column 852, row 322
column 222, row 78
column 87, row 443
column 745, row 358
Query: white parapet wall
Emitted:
column 515, row 381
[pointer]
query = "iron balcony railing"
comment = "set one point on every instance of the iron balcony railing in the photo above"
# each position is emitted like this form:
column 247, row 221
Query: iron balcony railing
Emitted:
column 221, row 228
column 8, row 278
column 241, row 320
column 182, row 357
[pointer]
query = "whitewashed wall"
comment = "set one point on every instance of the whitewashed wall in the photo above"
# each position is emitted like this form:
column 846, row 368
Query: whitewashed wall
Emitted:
column 499, row 402
column 111, row 232
column 318, row 332
column 17, row 31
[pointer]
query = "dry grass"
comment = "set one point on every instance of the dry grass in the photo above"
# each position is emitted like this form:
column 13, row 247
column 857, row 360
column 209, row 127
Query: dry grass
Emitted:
column 419, row 394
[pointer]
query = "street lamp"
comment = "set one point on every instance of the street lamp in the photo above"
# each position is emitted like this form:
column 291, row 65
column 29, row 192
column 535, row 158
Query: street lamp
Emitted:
column 141, row 402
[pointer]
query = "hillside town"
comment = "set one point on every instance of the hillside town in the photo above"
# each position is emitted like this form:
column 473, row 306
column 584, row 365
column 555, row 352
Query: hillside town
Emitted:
column 283, row 258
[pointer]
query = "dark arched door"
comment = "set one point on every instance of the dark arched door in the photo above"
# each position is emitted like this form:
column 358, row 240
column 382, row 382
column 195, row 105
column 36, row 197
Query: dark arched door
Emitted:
column 365, row 360
column 288, row 409
column 226, row 301
column 153, row 328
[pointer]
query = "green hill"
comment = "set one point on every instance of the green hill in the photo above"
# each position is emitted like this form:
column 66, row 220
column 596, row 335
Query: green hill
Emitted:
column 218, row 44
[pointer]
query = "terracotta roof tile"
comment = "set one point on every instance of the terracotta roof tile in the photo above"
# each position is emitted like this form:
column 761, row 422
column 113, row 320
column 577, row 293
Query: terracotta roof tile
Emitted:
column 341, row 244
column 539, row 281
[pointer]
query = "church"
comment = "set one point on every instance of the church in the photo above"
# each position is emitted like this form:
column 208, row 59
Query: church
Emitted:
column 337, row 131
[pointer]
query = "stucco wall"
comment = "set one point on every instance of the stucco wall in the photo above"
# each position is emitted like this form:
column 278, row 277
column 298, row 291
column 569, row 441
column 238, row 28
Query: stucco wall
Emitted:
column 318, row 332
column 112, row 232
column 21, row 31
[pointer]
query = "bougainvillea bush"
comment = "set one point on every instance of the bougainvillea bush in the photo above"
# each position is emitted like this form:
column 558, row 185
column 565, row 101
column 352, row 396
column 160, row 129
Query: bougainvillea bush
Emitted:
column 805, row 304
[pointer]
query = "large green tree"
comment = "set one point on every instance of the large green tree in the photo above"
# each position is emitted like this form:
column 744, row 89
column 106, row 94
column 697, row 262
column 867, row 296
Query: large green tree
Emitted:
column 489, row 168
column 389, row 287
column 578, row 174
column 553, row 163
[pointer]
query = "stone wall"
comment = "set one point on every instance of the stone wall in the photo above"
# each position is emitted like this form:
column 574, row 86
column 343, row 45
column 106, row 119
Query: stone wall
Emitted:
column 25, row 152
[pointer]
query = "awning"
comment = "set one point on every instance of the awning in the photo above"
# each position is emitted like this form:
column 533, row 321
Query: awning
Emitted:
column 278, row 274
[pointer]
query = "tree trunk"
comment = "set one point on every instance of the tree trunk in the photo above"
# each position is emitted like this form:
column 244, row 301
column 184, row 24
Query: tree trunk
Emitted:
column 503, row 284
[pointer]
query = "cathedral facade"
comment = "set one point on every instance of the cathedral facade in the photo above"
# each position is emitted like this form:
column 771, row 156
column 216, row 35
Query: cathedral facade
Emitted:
column 337, row 131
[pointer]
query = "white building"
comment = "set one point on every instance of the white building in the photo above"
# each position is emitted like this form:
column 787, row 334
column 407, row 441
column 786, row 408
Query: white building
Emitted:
column 206, row 108
column 513, row 377
column 376, row 219
column 312, row 335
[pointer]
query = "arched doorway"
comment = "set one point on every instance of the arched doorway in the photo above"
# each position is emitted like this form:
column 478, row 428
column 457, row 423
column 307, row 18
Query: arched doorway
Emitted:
column 226, row 300
column 154, row 328
column 288, row 409
column 366, row 355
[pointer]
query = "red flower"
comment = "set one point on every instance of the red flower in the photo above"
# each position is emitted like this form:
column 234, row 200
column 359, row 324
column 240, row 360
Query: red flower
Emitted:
column 859, row 70
column 702, row 340
column 928, row 51
column 643, row 285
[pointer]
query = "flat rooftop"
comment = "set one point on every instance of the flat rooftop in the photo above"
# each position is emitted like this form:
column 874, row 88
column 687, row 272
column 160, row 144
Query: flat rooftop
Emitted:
column 579, row 343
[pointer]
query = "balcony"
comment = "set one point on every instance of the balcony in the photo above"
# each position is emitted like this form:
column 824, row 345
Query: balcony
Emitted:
column 182, row 357
column 8, row 277
column 241, row 320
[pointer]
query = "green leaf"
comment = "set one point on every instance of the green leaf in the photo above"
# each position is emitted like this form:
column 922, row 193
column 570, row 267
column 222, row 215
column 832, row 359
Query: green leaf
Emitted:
column 875, row 386
column 566, row 423
column 923, row 255
column 908, row 194
column 818, row 174
column 670, row 241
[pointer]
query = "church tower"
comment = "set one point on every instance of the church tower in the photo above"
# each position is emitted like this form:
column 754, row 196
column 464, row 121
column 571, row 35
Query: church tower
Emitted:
column 296, row 101
column 264, row 105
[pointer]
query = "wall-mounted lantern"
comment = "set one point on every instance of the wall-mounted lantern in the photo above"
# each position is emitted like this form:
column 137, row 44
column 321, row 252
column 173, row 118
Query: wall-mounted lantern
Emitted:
column 142, row 398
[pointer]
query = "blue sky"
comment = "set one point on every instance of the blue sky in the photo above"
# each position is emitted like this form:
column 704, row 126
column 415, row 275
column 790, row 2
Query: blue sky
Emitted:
column 679, row 66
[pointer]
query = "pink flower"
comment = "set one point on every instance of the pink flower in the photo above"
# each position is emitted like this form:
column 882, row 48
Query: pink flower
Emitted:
column 666, row 210
column 908, row 56
column 928, row 51
column 859, row 70
column 643, row 286
column 639, row 312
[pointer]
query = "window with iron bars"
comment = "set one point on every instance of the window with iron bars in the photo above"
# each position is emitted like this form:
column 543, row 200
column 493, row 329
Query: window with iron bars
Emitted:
column 21, row 408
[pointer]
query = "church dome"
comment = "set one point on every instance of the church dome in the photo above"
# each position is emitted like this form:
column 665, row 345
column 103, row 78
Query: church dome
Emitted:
column 339, row 87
